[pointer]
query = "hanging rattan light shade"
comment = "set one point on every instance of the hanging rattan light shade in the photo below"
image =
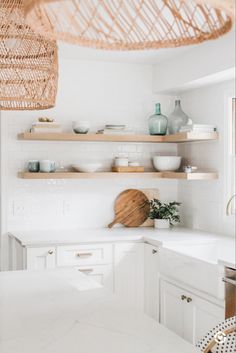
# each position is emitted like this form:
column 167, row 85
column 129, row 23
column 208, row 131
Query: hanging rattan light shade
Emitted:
column 28, row 63
column 130, row 24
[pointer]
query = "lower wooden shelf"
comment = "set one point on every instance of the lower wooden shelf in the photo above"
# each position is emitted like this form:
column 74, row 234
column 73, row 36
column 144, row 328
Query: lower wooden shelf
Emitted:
column 104, row 175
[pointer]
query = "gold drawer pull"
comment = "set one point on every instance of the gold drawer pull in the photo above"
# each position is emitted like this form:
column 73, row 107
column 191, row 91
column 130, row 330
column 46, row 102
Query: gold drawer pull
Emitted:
column 84, row 254
column 86, row 270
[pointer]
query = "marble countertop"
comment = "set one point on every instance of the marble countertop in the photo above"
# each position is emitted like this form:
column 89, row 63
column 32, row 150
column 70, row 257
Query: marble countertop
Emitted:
column 64, row 311
column 222, row 247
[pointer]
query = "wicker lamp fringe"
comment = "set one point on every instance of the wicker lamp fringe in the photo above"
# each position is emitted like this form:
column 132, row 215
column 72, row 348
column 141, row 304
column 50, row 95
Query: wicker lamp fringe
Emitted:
column 131, row 24
column 28, row 63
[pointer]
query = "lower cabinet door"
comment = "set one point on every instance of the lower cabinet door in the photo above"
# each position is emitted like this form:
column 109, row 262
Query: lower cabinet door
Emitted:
column 187, row 314
column 129, row 274
column 40, row 258
column 151, row 281
column 205, row 316
column 172, row 308
column 103, row 274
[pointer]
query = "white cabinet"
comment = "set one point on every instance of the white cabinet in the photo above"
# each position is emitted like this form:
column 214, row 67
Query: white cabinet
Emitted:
column 129, row 273
column 40, row 258
column 187, row 314
column 103, row 274
column 79, row 255
column 151, row 281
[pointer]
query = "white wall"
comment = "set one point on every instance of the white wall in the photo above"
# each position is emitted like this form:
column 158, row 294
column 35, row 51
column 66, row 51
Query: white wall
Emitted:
column 205, row 201
column 99, row 92
column 201, row 61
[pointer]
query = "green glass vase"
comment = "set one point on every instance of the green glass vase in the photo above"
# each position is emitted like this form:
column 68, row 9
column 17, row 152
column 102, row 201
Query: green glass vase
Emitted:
column 158, row 123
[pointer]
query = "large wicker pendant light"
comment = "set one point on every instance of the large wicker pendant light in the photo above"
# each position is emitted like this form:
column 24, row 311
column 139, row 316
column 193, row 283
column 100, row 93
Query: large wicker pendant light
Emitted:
column 131, row 24
column 28, row 63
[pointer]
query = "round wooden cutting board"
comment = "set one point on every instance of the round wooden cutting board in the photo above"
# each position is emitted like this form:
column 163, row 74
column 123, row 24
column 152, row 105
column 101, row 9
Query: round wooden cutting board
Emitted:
column 131, row 208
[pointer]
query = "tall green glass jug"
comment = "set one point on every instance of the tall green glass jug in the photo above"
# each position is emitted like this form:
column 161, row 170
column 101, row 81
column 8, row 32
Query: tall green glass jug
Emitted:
column 158, row 122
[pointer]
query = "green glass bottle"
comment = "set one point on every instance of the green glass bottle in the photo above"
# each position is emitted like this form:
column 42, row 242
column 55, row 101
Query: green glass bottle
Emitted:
column 158, row 122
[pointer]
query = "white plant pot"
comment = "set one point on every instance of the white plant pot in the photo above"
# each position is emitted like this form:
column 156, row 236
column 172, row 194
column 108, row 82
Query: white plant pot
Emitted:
column 161, row 223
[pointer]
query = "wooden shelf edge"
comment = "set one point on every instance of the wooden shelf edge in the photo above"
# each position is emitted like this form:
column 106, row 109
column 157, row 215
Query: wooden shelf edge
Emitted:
column 191, row 137
column 179, row 137
column 103, row 175
column 88, row 137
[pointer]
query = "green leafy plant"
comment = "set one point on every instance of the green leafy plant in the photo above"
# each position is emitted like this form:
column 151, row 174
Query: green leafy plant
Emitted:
column 160, row 210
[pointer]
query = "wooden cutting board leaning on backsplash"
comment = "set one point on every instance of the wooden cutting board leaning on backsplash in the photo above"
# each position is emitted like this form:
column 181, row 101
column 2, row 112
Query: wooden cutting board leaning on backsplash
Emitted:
column 132, row 207
column 151, row 194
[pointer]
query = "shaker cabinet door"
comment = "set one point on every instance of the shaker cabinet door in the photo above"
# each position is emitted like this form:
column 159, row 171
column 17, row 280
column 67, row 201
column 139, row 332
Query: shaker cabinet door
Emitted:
column 206, row 315
column 40, row 258
column 172, row 308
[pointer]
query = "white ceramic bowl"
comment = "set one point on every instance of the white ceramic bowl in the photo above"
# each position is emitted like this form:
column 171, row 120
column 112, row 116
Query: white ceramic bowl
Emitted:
column 81, row 127
column 166, row 163
column 87, row 167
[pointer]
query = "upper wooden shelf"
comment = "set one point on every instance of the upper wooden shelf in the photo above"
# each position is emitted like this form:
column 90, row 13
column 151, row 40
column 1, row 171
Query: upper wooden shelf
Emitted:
column 180, row 137
column 105, row 175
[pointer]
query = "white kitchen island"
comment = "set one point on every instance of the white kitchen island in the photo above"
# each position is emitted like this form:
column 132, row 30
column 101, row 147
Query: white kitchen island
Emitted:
column 62, row 311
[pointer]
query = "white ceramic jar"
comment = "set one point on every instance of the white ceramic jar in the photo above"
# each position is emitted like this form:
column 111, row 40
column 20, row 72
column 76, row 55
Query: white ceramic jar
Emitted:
column 121, row 162
column 161, row 223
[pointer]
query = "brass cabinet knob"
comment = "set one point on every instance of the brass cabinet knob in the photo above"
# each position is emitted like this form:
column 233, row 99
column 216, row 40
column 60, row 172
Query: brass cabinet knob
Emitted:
column 189, row 300
column 50, row 252
column 183, row 297
column 154, row 251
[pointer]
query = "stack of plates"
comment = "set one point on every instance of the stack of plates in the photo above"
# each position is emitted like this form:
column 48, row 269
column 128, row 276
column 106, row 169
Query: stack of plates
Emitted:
column 115, row 129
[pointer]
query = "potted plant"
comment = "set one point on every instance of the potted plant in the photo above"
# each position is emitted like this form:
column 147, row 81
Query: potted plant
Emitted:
column 164, row 214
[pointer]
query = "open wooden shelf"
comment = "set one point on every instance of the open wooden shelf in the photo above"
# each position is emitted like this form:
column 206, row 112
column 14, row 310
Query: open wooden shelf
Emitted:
column 104, row 175
column 180, row 137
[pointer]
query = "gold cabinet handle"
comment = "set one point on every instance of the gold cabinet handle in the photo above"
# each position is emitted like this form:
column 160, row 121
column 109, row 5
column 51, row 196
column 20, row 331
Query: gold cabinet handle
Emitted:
column 50, row 252
column 86, row 270
column 183, row 297
column 84, row 254
column 154, row 251
column 189, row 300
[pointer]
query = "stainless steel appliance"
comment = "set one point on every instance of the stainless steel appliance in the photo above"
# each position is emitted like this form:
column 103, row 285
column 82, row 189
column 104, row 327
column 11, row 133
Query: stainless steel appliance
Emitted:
column 230, row 292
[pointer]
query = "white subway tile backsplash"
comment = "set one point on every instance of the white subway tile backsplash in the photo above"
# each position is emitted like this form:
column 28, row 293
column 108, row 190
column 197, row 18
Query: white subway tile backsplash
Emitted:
column 101, row 97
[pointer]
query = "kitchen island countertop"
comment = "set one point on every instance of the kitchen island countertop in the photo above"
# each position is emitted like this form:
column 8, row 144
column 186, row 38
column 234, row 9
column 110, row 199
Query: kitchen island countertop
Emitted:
column 62, row 311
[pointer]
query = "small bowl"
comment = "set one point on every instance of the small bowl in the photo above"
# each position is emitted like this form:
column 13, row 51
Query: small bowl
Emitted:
column 87, row 167
column 166, row 163
column 81, row 127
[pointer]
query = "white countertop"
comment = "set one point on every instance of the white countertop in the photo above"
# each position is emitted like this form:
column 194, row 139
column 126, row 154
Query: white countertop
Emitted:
column 64, row 311
column 221, row 249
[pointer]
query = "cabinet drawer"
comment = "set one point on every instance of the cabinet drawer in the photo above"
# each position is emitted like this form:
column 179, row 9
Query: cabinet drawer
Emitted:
column 79, row 255
column 103, row 274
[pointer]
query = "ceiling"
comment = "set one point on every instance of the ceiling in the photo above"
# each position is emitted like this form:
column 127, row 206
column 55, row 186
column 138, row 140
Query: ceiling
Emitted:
column 148, row 57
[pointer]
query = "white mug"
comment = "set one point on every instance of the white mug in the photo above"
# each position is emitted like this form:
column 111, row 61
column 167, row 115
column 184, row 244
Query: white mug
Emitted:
column 47, row 166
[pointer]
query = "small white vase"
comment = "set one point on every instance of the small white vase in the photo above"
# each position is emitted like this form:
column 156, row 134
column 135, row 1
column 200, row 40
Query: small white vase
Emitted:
column 161, row 223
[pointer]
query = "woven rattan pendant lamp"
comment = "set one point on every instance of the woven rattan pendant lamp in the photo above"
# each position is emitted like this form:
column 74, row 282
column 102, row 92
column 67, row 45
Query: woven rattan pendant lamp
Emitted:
column 131, row 24
column 28, row 63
